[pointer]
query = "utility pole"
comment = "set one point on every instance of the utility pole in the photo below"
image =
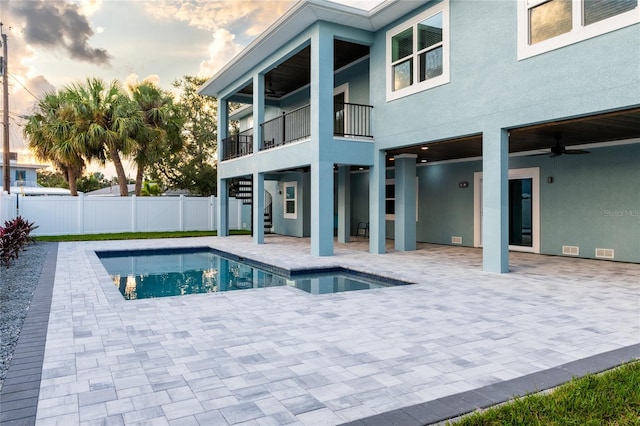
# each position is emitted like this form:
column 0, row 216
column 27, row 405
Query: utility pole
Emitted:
column 6, row 180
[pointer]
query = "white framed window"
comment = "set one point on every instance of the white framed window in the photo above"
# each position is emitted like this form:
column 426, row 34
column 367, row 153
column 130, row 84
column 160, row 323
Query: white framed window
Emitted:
column 290, row 200
column 418, row 53
column 545, row 25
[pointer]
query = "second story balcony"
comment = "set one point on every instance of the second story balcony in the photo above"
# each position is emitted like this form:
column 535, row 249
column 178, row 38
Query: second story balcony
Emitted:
column 350, row 121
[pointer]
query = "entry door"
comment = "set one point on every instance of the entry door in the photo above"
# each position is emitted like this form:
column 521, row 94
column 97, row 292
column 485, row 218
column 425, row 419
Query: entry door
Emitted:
column 520, row 212
column 524, row 209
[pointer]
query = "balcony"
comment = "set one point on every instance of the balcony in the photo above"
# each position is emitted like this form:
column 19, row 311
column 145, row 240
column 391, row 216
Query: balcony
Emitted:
column 238, row 145
column 350, row 121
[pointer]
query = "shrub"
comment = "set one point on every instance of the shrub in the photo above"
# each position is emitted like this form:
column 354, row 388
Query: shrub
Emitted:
column 14, row 236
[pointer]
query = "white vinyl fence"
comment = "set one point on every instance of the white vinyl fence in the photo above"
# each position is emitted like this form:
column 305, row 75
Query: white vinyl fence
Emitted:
column 64, row 215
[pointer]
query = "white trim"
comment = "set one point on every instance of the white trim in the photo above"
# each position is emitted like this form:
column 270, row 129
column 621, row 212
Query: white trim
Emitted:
column 532, row 173
column 579, row 32
column 294, row 185
column 416, row 87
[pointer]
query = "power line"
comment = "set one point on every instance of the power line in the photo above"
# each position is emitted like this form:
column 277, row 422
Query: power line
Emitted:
column 23, row 86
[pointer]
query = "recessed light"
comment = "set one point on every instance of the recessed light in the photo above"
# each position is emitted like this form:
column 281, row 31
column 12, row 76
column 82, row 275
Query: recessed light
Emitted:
column 424, row 147
column 392, row 159
column 423, row 161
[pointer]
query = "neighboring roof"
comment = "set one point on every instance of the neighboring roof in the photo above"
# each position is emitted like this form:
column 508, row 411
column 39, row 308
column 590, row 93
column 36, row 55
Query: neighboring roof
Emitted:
column 295, row 20
column 111, row 191
column 38, row 190
column 14, row 165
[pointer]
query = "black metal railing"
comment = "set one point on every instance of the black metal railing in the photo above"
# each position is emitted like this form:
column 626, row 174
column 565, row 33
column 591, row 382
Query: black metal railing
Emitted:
column 352, row 120
column 289, row 127
column 238, row 145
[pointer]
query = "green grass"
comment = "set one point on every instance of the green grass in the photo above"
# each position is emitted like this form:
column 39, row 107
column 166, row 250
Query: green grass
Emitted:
column 611, row 398
column 134, row 236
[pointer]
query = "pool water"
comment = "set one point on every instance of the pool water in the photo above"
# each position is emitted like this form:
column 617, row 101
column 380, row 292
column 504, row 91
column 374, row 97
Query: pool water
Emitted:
column 144, row 274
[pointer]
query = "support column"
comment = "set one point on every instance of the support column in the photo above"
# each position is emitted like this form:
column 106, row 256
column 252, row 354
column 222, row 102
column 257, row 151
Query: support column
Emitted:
column 258, row 208
column 344, row 204
column 495, row 200
column 223, row 207
column 377, row 221
column 405, row 204
column 321, row 97
column 322, row 209
column 258, row 111
column 223, row 126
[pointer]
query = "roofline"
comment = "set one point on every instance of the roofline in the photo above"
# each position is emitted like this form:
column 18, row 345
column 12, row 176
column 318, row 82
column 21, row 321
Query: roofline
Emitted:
column 296, row 19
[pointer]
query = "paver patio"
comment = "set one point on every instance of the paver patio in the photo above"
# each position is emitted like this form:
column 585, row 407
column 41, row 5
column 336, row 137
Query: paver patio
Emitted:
column 279, row 356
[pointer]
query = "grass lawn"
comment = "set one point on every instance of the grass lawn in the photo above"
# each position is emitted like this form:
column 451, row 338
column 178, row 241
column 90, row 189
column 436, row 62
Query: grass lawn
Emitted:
column 610, row 398
column 135, row 235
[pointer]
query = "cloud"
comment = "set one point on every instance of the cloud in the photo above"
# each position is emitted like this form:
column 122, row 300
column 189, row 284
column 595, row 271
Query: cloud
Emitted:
column 247, row 16
column 59, row 25
column 221, row 50
column 133, row 80
column 24, row 93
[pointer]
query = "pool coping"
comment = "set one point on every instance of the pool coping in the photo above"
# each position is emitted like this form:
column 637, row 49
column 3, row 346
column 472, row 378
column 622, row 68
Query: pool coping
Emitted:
column 19, row 395
column 21, row 389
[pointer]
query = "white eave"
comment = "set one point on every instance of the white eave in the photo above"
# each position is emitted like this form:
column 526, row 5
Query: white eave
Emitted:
column 299, row 17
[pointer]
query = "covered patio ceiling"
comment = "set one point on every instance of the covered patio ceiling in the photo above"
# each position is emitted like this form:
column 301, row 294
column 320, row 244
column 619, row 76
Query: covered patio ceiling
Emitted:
column 295, row 72
column 605, row 127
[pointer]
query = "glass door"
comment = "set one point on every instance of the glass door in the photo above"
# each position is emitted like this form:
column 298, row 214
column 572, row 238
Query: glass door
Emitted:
column 520, row 212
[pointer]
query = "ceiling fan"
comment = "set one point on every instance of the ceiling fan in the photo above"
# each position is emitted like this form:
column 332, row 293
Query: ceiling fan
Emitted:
column 558, row 149
column 269, row 90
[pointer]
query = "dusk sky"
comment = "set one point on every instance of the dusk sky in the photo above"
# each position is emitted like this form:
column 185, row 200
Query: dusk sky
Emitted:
column 55, row 43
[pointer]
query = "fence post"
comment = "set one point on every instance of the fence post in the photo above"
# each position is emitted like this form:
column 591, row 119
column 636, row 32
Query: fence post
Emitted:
column 181, row 213
column 80, row 213
column 212, row 213
column 134, row 214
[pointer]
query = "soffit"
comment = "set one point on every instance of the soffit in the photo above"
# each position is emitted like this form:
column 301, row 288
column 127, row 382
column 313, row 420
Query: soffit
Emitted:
column 610, row 127
column 296, row 20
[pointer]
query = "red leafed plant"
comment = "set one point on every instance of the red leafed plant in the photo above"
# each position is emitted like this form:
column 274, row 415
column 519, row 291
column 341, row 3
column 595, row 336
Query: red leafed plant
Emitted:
column 14, row 236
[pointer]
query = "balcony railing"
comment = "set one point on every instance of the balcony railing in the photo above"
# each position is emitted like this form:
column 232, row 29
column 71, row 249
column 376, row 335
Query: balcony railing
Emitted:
column 238, row 145
column 287, row 128
column 350, row 120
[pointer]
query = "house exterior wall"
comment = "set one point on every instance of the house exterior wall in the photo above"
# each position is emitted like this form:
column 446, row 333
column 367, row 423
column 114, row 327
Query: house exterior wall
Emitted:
column 30, row 175
column 591, row 203
column 489, row 91
column 490, row 88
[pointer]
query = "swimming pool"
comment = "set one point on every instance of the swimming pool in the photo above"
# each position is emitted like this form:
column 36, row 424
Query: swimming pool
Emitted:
column 143, row 274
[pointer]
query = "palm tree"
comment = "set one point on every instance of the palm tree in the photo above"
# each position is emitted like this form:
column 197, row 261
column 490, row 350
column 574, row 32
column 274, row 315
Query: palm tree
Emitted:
column 106, row 120
column 50, row 133
column 161, row 131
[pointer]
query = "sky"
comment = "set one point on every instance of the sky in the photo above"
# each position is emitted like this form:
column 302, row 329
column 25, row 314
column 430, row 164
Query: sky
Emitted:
column 53, row 43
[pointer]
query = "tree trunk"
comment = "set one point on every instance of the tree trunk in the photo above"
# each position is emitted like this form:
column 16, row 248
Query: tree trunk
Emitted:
column 71, row 180
column 117, row 163
column 139, row 176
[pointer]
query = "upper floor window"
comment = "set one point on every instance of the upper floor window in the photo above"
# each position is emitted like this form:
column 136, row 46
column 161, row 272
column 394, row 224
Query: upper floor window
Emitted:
column 544, row 25
column 418, row 53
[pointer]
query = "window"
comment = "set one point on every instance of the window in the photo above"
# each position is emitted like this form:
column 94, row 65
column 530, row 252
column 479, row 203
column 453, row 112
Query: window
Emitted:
column 21, row 177
column 291, row 200
column 418, row 53
column 544, row 25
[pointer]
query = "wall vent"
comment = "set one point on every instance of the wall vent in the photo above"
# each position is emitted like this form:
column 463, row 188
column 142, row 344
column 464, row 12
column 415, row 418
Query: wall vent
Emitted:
column 571, row 250
column 456, row 240
column 604, row 253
